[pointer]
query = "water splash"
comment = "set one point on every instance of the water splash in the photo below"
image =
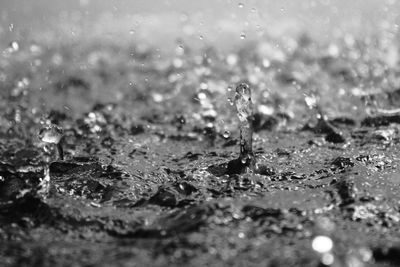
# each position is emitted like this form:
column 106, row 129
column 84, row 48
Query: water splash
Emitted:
column 52, row 134
column 244, row 108
column 323, row 245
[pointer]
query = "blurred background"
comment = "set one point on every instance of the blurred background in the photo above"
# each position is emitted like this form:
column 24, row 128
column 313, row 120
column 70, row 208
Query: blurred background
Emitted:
column 222, row 23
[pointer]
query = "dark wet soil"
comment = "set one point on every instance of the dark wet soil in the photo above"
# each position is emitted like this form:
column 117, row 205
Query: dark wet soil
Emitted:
column 149, row 142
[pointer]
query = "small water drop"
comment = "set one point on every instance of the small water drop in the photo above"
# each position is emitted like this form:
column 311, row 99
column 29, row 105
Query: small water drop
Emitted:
column 240, row 5
column 266, row 63
column 132, row 32
column 226, row 134
column 322, row 244
column 328, row 259
column 180, row 50
column 13, row 47
column 177, row 63
column 201, row 96
column 243, row 102
column 183, row 17
column 51, row 134
column 244, row 109
column 311, row 101
column 232, row 59
column 203, row 86
column 157, row 97
column 242, row 36
column 201, row 37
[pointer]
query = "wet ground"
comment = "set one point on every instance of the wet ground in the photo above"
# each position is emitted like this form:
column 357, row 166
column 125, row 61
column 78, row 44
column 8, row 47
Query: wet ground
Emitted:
column 148, row 138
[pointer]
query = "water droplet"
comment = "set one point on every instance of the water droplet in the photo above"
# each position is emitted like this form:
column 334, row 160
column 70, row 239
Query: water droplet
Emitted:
column 266, row 110
column 322, row 244
column 201, row 37
column 158, row 97
column 226, row 134
column 132, row 32
column 311, row 101
column 51, row 134
column 244, row 108
column 183, row 17
column 57, row 59
column 242, row 36
column 201, row 96
column 177, row 63
column 366, row 254
column 203, row 86
column 243, row 102
column 13, row 47
column 180, row 50
column 266, row 63
column 328, row 259
column 240, row 5
column 232, row 59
